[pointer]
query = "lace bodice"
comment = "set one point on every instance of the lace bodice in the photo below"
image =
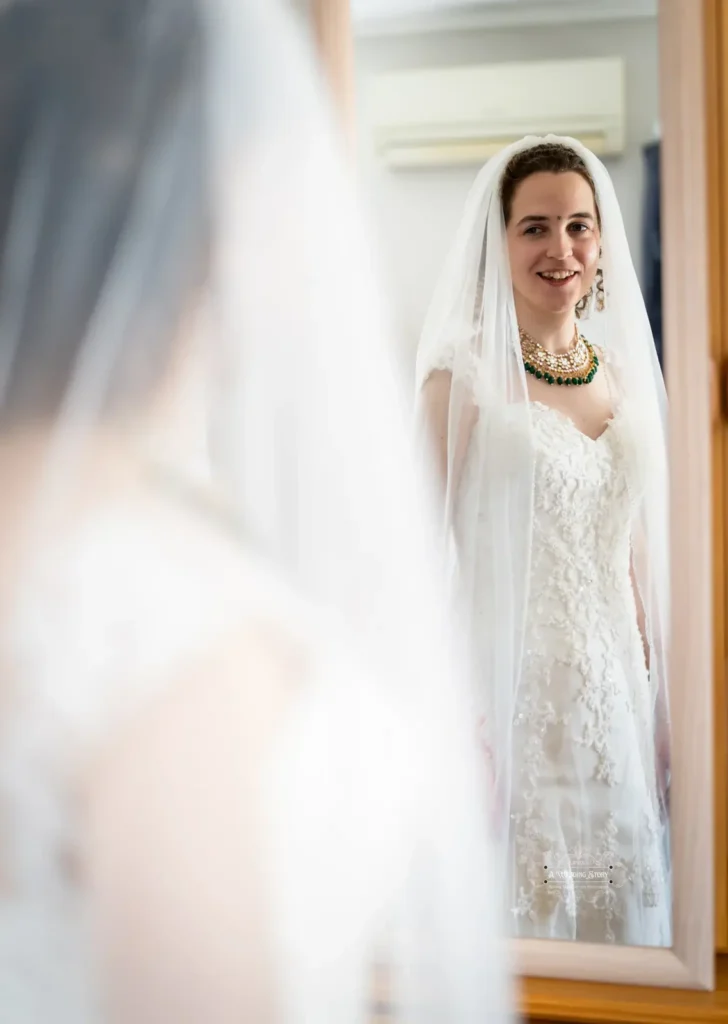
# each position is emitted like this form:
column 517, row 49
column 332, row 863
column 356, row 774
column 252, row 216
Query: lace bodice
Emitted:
column 585, row 496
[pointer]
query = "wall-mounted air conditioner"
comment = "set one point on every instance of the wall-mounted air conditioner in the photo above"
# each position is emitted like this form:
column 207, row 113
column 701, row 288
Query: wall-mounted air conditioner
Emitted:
column 463, row 115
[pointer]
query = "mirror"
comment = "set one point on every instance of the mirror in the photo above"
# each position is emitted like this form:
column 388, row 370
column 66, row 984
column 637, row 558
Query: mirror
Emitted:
column 588, row 762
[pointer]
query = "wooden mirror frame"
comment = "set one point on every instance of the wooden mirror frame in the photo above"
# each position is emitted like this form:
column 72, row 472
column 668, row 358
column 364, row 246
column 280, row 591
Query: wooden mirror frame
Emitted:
column 690, row 981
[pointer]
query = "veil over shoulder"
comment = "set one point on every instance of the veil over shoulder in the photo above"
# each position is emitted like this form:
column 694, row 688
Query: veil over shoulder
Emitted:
column 166, row 156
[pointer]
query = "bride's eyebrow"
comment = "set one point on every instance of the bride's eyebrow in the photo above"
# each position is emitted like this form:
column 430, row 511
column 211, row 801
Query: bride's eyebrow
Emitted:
column 540, row 218
column 533, row 218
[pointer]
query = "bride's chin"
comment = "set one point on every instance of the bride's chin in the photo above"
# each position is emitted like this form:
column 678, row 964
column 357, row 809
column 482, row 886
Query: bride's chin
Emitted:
column 558, row 304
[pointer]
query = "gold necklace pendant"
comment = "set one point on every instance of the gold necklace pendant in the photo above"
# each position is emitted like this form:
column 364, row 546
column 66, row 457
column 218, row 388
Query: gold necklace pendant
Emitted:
column 576, row 367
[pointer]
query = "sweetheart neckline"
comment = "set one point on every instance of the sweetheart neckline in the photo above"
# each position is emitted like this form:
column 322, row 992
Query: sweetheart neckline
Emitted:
column 568, row 419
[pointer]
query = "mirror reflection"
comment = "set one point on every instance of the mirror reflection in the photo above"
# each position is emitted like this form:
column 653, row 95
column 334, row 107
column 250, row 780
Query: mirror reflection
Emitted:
column 513, row 170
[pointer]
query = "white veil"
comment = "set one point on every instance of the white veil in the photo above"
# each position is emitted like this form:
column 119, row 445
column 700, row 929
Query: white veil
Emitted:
column 471, row 332
column 203, row 130
column 309, row 365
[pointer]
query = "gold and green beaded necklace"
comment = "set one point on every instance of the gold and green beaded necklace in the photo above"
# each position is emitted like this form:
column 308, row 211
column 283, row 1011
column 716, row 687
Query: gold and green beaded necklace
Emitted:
column 568, row 369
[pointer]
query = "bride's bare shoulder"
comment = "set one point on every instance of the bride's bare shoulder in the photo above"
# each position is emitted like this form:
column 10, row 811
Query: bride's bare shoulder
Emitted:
column 174, row 813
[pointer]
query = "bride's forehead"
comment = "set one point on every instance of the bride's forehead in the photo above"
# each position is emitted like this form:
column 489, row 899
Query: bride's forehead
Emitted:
column 554, row 194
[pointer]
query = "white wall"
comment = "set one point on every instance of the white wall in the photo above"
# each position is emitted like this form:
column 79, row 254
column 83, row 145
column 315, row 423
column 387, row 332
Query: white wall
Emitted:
column 415, row 213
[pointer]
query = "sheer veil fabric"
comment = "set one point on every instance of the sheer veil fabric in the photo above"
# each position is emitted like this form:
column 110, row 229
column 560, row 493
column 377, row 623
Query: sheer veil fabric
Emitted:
column 214, row 130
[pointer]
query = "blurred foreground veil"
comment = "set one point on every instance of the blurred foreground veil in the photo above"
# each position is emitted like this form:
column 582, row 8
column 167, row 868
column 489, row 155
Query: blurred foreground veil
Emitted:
column 237, row 766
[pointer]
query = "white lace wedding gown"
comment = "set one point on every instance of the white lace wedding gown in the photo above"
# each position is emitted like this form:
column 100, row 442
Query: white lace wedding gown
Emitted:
column 588, row 856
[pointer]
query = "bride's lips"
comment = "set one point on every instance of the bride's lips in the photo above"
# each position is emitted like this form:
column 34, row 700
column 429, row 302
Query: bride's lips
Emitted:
column 560, row 282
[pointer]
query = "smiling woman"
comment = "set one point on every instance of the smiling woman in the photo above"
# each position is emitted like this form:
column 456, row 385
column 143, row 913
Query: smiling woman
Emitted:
column 554, row 463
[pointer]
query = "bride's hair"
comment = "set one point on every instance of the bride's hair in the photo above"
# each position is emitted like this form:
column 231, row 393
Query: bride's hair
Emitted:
column 549, row 158
column 88, row 90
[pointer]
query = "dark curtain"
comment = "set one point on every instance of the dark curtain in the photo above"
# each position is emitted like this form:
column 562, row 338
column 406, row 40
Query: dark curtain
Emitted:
column 651, row 248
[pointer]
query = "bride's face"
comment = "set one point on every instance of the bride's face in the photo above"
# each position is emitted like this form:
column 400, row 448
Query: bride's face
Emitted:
column 553, row 241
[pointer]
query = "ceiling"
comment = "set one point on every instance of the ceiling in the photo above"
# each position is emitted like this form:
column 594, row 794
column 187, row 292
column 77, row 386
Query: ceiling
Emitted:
column 387, row 17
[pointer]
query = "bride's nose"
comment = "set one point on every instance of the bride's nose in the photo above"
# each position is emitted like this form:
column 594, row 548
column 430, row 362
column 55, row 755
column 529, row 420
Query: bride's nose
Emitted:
column 560, row 247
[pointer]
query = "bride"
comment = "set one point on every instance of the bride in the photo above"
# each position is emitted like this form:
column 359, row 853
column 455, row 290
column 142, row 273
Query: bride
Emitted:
column 540, row 385
column 234, row 771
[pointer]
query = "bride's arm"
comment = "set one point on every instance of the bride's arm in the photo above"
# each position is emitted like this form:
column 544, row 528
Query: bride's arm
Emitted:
column 641, row 617
column 174, row 852
column 660, row 710
column 436, row 394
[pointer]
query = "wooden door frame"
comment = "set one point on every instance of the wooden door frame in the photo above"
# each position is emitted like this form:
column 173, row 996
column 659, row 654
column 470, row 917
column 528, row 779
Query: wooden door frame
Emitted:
column 716, row 19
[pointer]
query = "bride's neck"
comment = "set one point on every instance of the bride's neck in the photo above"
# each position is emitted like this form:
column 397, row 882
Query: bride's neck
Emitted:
column 554, row 333
column 41, row 509
column 103, row 465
